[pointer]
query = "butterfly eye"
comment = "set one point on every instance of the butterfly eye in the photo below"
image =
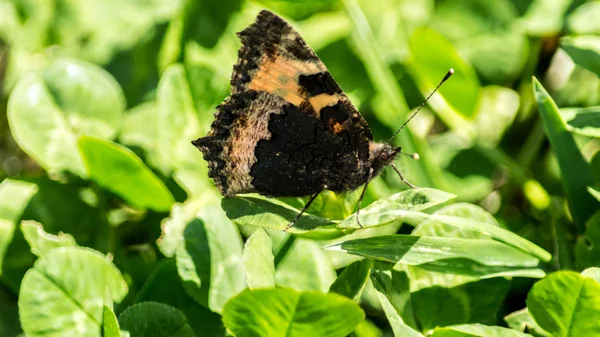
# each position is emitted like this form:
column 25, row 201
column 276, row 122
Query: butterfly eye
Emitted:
column 383, row 156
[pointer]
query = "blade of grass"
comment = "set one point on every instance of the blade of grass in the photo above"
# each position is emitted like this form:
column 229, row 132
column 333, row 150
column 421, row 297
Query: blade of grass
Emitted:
column 385, row 83
column 576, row 172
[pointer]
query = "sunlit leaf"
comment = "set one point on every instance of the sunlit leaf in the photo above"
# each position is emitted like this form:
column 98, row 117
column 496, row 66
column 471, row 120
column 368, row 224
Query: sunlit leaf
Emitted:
column 389, row 209
column 305, row 266
column 298, row 314
column 40, row 241
column 522, row 321
column 584, row 50
column 476, row 330
column 566, row 304
column 68, row 284
column 48, row 110
column 583, row 121
column 459, row 95
column 119, row 170
column 415, row 250
column 259, row 260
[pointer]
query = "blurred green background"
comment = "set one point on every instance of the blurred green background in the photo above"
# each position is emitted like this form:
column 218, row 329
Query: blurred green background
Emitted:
column 141, row 78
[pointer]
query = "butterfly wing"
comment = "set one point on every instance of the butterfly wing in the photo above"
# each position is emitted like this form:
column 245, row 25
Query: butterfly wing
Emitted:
column 287, row 129
column 274, row 58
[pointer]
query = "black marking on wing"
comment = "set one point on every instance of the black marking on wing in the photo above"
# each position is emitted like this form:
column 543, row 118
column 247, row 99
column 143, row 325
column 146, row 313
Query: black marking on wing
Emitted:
column 266, row 37
column 302, row 157
column 319, row 83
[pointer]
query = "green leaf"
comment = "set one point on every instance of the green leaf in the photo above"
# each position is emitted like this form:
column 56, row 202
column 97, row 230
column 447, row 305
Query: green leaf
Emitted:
column 583, row 19
column 587, row 248
column 251, row 313
column 483, row 32
column 593, row 273
column 393, row 290
column 522, row 321
column 14, row 197
column 496, row 111
column 270, row 213
column 492, row 231
column 164, row 285
column 584, row 50
column 544, row 17
column 472, row 302
column 177, row 122
column 154, row 320
column 353, row 279
column 119, row 170
column 68, row 208
column 140, row 128
column 386, row 210
column 461, row 210
column 68, row 284
column 259, row 260
column 110, row 325
column 566, row 304
column 41, row 242
column 459, row 95
column 575, row 171
column 583, row 121
column 594, row 192
column 209, row 256
column 476, row 330
column 48, row 110
column 415, row 250
column 305, row 266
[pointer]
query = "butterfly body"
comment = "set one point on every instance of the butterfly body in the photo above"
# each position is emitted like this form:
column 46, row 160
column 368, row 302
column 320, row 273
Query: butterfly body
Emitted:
column 288, row 129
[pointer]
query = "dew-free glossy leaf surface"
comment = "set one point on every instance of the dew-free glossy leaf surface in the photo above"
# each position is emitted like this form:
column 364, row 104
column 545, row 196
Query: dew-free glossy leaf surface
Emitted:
column 305, row 267
column 119, row 170
column 389, row 209
column 566, row 304
column 110, row 325
column 40, row 241
column 583, row 121
column 415, row 250
column 477, row 330
column 261, row 212
column 259, row 260
column 68, row 283
column 48, row 110
column 584, row 50
column 288, row 313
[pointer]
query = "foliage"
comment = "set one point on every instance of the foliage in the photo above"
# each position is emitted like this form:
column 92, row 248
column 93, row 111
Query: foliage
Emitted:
column 110, row 225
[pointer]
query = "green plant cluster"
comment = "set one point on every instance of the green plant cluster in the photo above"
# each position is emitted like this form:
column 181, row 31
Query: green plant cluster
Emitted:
column 110, row 225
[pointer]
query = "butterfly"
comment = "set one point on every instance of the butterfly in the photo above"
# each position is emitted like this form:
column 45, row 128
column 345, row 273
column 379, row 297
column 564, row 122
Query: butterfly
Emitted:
column 288, row 129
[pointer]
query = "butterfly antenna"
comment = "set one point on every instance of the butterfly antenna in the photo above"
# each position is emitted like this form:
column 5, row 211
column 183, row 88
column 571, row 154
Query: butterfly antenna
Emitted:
column 448, row 74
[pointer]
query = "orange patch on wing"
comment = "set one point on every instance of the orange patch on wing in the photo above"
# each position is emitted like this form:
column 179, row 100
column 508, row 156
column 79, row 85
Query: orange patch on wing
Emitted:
column 320, row 101
column 279, row 76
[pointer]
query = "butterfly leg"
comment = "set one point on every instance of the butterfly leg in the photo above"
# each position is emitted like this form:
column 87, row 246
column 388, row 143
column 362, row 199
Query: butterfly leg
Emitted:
column 402, row 178
column 362, row 194
column 312, row 198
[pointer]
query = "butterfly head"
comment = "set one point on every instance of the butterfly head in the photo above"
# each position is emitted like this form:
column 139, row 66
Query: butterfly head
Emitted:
column 382, row 155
